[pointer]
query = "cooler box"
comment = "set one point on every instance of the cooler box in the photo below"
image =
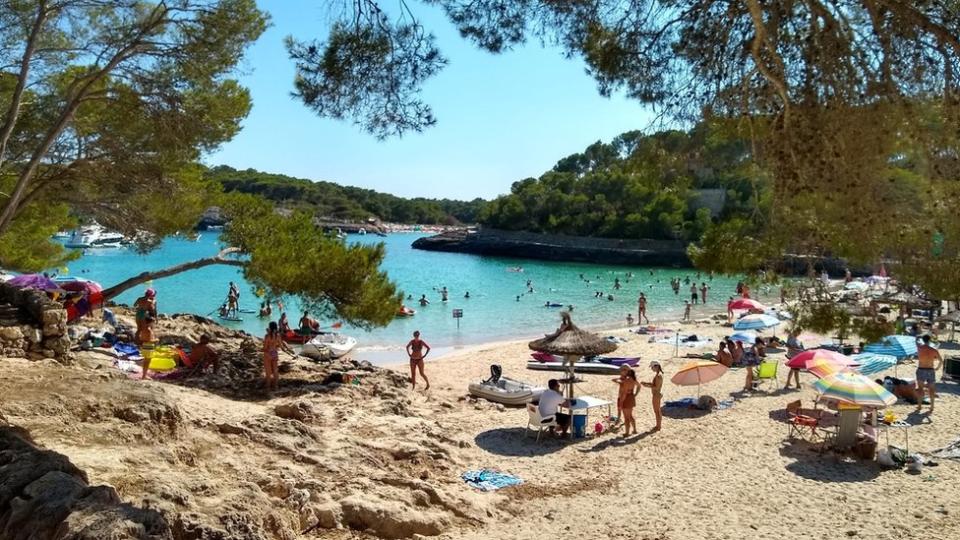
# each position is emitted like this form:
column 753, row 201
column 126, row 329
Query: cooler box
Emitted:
column 579, row 426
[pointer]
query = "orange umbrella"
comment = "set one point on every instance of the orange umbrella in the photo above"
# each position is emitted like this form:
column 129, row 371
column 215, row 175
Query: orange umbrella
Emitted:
column 698, row 372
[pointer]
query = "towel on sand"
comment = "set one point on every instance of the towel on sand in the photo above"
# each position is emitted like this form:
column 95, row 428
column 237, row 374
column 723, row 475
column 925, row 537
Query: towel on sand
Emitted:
column 489, row 480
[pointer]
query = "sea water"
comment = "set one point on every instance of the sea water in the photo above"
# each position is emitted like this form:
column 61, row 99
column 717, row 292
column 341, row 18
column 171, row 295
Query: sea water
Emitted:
column 501, row 305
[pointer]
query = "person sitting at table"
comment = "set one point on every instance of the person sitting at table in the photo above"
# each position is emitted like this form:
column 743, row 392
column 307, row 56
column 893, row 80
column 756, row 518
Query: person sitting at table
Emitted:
column 550, row 401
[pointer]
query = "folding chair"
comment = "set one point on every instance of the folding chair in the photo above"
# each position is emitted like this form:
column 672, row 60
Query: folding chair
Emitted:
column 803, row 423
column 766, row 371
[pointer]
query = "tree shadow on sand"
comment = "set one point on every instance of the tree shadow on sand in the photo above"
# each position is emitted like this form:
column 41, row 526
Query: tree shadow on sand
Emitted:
column 826, row 467
column 516, row 442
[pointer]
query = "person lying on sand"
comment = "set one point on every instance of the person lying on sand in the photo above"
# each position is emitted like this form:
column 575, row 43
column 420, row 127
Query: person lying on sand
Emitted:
column 902, row 389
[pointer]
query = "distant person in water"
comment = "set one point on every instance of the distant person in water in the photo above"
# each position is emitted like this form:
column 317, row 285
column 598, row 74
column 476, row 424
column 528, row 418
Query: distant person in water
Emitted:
column 686, row 310
column 145, row 306
column 233, row 300
column 703, row 292
column 443, row 294
column 694, row 295
column 417, row 350
column 265, row 309
column 423, row 300
column 467, row 295
column 284, row 324
column 629, row 319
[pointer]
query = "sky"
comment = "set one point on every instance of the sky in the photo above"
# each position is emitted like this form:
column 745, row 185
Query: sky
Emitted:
column 499, row 118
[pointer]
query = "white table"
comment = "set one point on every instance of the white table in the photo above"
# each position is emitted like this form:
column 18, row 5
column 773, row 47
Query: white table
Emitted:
column 582, row 406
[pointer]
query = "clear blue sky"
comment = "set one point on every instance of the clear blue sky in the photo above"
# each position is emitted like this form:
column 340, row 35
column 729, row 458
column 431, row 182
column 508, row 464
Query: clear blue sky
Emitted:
column 500, row 118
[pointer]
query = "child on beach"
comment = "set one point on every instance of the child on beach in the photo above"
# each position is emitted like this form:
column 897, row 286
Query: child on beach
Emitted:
column 655, row 386
column 627, row 398
column 147, row 342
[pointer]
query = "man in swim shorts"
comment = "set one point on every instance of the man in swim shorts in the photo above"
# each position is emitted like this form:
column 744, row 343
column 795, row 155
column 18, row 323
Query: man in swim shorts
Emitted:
column 928, row 362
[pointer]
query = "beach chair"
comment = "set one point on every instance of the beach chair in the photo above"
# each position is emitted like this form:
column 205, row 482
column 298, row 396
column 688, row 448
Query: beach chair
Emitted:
column 804, row 423
column 848, row 426
column 766, row 372
column 538, row 422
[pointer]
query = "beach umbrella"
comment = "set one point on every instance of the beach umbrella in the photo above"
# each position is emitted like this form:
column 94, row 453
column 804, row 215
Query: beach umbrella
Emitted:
column 34, row 281
column 809, row 357
column 871, row 363
column 779, row 313
column 698, row 372
column 821, row 367
column 897, row 346
column 744, row 336
column 755, row 322
column 854, row 388
column 745, row 303
column 90, row 296
column 572, row 343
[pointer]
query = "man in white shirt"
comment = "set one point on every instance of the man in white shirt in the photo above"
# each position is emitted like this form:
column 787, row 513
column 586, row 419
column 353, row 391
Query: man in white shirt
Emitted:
column 550, row 401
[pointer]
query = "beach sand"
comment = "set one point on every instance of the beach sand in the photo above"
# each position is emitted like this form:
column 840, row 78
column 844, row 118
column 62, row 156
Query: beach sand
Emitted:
column 377, row 460
column 724, row 474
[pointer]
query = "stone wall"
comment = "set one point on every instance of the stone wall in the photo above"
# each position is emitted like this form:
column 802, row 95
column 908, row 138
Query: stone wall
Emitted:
column 31, row 325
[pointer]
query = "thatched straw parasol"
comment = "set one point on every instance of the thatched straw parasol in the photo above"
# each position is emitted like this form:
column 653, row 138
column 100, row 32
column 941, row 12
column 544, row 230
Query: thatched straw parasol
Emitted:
column 572, row 343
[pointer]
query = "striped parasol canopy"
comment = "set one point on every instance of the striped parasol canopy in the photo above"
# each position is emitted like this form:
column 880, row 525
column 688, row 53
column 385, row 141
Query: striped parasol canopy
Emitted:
column 871, row 363
column 745, row 303
column 854, row 388
column 806, row 358
column 821, row 367
column 897, row 346
column 755, row 322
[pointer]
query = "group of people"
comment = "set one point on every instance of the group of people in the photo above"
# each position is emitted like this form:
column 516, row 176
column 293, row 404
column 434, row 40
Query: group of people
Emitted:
column 200, row 355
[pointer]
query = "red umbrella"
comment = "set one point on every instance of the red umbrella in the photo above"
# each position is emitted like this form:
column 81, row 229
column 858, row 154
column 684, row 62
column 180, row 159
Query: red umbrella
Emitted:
column 746, row 303
column 90, row 296
column 811, row 357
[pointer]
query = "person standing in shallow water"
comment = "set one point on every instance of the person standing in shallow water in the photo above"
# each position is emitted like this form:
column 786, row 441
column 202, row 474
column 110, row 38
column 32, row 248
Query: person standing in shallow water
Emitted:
column 642, row 309
column 417, row 354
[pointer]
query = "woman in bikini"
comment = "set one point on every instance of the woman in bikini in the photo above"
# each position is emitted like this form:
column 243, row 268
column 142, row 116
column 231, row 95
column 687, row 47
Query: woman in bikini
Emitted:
column 272, row 343
column 627, row 399
column 656, row 386
column 416, row 352
column 146, row 306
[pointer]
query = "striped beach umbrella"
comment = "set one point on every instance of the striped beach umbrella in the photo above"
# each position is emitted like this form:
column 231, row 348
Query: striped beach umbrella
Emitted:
column 807, row 358
column 871, row 363
column 755, row 322
column 821, row 367
column 854, row 388
column 897, row 346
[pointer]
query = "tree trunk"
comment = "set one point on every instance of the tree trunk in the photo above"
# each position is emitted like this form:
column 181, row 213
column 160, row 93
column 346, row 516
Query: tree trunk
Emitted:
column 123, row 286
column 14, row 110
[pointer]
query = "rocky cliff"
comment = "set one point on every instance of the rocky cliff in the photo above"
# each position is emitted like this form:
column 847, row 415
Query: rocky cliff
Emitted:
column 553, row 247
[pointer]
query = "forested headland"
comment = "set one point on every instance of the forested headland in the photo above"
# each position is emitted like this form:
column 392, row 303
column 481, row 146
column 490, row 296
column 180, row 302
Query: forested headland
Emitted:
column 330, row 200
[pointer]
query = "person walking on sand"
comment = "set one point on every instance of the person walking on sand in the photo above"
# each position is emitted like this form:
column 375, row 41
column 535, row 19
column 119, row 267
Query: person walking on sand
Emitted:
column 656, row 389
column 686, row 310
column 627, row 398
column 642, row 309
column 417, row 350
column 928, row 362
column 272, row 343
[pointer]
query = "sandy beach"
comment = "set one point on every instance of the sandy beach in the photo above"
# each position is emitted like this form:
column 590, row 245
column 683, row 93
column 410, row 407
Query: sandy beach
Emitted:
column 218, row 458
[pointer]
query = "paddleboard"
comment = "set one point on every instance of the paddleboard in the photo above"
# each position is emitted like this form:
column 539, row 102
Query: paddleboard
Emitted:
column 231, row 319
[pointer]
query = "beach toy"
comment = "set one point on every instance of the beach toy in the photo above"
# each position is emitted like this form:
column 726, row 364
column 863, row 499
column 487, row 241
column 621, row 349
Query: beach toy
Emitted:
column 161, row 358
column 598, row 428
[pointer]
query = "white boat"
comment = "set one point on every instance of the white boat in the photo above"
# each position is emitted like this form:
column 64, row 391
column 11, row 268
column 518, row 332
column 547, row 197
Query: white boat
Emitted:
column 337, row 345
column 94, row 236
column 506, row 390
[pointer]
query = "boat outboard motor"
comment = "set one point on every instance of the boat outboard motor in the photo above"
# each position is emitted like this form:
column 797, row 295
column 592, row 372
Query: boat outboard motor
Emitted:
column 495, row 372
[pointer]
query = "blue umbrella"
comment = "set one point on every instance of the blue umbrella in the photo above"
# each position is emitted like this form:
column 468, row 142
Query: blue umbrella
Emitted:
column 871, row 363
column 898, row 346
column 745, row 337
column 755, row 322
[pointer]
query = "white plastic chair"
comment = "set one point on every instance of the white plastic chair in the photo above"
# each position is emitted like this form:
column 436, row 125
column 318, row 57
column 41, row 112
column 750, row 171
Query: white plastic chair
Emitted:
column 538, row 422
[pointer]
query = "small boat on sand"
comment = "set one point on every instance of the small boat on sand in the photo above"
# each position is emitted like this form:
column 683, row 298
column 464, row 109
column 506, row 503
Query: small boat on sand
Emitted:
column 337, row 344
column 505, row 390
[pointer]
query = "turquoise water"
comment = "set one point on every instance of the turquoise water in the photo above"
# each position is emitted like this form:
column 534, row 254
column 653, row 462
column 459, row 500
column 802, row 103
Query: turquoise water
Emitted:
column 491, row 313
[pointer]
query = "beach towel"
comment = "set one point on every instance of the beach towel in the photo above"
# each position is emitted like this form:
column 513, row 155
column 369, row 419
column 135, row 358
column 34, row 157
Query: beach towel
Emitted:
column 126, row 349
column 489, row 480
column 684, row 341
